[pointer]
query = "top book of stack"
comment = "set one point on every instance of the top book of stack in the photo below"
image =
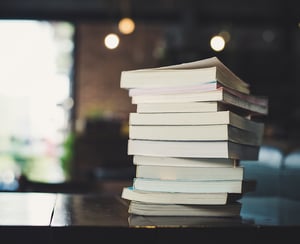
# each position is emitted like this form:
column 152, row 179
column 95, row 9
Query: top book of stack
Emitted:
column 208, row 73
column 206, row 80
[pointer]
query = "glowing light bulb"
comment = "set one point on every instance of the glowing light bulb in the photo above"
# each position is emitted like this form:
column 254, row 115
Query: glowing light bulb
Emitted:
column 217, row 43
column 126, row 26
column 112, row 41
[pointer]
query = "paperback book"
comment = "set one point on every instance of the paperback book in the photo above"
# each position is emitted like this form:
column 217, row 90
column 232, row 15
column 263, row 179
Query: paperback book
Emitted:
column 189, row 173
column 192, row 73
column 188, row 186
column 184, row 162
column 203, row 118
column 193, row 149
column 216, row 132
column 152, row 209
column 189, row 107
column 217, row 198
column 254, row 104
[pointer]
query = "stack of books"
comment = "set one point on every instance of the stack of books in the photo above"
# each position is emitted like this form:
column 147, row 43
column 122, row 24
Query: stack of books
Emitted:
column 194, row 123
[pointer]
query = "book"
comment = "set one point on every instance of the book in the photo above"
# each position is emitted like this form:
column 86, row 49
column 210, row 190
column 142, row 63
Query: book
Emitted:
column 185, row 162
column 209, row 86
column 195, row 133
column 254, row 104
column 189, row 107
column 192, row 73
column 217, row 198
column 212, row 95
column 188, row 186
column 193, row 107
column 189, row 173
column 193, row 149
column 153, row 209
column 205, row 118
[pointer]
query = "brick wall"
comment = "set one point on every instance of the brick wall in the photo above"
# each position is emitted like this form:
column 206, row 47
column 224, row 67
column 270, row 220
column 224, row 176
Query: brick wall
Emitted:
column 98, row 69
column 98, row 91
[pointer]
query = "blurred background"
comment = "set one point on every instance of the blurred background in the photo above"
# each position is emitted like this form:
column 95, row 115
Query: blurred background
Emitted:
column 64, row 118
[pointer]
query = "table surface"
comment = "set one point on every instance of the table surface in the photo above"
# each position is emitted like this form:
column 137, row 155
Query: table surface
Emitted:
column 74, row 216
column 60, row 209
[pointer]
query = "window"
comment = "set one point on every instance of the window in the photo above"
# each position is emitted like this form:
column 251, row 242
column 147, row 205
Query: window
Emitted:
column 35, row 99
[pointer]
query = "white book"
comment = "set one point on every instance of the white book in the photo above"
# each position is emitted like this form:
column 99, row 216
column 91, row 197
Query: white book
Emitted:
column 188, row 107
column 152, row 209
column 185, row 162
column 193, row 149
column 189, row 186
column 205, row 118
column 220, row 198
column 192, row 73
column 254, row 104
column 189, row 173
column 195, row 133
column 208, row 86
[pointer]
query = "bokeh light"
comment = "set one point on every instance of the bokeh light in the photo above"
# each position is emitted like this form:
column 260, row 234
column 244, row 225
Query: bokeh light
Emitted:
column 112, row 41
column 217, row 43
column 126, row 26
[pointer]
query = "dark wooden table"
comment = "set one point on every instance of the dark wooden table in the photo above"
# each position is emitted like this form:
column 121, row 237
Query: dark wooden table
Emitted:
column 100, row 218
